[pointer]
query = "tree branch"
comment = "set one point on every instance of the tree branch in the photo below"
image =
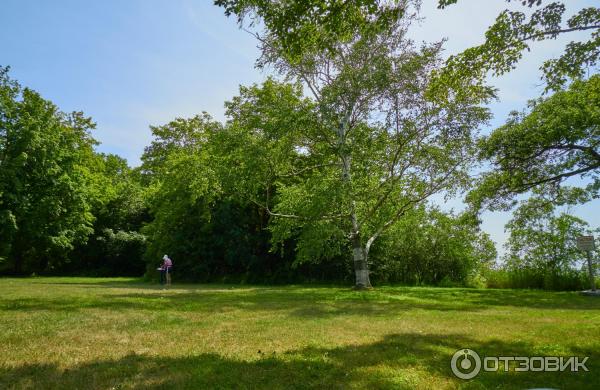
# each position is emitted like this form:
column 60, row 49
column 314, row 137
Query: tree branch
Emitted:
column 530, row 185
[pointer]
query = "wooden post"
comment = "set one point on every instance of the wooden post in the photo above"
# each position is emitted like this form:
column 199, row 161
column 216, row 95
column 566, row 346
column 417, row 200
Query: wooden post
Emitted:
column 587, row 244
column 591, row 271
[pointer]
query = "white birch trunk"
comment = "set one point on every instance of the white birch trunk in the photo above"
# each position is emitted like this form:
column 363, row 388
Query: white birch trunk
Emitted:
column 361, row 268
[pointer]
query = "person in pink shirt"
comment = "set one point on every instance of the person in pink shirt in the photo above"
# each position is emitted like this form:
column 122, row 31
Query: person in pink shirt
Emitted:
column 165, row 270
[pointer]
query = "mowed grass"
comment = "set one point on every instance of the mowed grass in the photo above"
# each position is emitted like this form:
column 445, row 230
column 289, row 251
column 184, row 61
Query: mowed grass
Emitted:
column 121, row 333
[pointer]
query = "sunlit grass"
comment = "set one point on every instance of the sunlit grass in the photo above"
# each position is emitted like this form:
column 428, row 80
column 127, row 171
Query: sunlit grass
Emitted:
column 122, row 333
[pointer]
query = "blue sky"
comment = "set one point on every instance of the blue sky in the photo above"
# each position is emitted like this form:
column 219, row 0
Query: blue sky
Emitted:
column 133, row 63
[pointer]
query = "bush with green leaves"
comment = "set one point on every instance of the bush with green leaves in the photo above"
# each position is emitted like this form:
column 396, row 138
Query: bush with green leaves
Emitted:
column 541, row 249
column 430, row 247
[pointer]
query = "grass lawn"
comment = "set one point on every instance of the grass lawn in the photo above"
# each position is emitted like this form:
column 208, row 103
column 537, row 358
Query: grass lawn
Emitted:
column 121, row 333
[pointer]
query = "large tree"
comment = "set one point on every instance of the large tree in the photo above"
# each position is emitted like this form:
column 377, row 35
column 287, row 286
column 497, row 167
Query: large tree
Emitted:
column 44, row 178
column 368, row 146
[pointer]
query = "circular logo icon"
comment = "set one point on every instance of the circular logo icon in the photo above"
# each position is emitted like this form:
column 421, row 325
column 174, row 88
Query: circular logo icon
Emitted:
column 465, row 364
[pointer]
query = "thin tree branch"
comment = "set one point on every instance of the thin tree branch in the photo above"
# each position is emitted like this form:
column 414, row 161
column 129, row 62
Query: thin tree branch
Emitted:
column 530, row 185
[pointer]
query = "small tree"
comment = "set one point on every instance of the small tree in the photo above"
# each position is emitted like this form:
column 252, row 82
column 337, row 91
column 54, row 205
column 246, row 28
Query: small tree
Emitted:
column 542, row 243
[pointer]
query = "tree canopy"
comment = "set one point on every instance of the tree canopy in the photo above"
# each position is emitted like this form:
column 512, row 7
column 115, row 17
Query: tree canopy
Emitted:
column 45, row 175
column 556, row 139
column 511, row 35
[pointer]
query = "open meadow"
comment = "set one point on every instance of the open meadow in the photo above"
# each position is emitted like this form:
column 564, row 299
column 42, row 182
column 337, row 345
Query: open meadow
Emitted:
column 121, row 333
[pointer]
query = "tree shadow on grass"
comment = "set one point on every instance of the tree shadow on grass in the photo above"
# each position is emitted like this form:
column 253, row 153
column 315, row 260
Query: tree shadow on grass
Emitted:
column 570, row 300
column 398, row 361
column 304, row 302
column 312, row 305
column 437, row 298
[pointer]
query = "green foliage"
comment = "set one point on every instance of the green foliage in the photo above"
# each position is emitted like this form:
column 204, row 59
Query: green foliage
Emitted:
column 107, row 253
column 315, row 25
column 558, row 138
column 180, row 135
column 183, row 187
column 115, row 247
column 46, row 157
column 63, row 207
column 509, row 37
column 564, row 280
column 198, row 218
column 541, row 249
column 433, row 248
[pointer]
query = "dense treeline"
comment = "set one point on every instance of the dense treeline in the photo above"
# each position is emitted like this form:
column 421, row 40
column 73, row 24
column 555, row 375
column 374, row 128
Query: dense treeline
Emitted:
column 110, row 219
column 182, row 201
column 204, row 217
column 64, row 208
